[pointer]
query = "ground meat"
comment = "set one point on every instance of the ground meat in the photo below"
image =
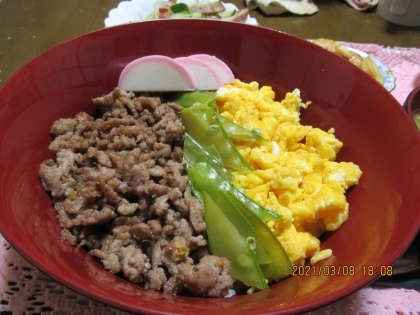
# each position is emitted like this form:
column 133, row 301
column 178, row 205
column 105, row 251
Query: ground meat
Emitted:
column 211, row 275
column 120, row 190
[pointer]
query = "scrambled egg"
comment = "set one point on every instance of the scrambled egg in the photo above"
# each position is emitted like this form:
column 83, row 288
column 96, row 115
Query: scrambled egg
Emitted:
column 295, row 173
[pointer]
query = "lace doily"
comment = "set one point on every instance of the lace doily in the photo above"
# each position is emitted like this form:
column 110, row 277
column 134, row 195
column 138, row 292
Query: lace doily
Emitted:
column 26, row 290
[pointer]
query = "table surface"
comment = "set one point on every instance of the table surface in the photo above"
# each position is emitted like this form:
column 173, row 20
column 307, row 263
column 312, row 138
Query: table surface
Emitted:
column 28, row 28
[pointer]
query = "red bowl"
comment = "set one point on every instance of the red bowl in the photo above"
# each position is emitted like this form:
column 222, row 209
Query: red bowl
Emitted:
column 377, row 134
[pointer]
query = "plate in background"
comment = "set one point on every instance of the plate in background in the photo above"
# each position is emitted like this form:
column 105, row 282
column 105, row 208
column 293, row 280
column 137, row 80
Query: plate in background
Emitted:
column 137, row 10
column 387, row 75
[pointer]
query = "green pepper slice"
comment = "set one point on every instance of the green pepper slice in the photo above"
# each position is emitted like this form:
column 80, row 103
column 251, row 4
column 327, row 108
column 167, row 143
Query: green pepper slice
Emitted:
column 281, row 266
column 204, row 177
column 226, row 241
column 202, row 124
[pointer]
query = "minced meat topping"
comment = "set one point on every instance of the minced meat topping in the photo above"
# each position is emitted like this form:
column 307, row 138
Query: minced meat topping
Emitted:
column 120, row 190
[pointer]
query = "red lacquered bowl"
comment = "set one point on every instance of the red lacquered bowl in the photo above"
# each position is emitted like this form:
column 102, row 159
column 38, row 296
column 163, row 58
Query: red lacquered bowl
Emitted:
column 377, row 134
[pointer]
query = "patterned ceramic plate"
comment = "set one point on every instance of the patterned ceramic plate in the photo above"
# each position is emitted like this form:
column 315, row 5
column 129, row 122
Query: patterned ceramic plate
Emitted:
column 389, row 78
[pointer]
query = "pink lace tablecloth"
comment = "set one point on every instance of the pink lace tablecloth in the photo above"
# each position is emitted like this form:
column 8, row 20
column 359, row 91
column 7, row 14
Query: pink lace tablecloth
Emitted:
column 25, row 290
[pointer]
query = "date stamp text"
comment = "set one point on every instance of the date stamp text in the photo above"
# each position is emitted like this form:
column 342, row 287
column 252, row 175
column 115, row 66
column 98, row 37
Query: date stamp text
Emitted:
column 341, row 270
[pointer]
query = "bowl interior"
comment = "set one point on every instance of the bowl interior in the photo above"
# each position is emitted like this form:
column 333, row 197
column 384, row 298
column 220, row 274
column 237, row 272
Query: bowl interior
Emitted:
column 377, row 135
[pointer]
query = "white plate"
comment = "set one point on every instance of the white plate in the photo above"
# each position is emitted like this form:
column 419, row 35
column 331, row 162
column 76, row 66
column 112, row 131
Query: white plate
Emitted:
column 136, row 10
column 389, row 78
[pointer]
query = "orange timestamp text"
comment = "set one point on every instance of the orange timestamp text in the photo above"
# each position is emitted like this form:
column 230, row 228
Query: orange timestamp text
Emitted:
column 341, row 270
column 324, row 270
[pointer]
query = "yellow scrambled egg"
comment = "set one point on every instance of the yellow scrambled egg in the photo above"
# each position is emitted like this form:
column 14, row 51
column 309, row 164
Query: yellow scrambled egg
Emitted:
column 295, row 173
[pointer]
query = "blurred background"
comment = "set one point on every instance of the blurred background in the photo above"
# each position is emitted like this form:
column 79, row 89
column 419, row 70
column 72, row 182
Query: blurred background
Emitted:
column 28, row 28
